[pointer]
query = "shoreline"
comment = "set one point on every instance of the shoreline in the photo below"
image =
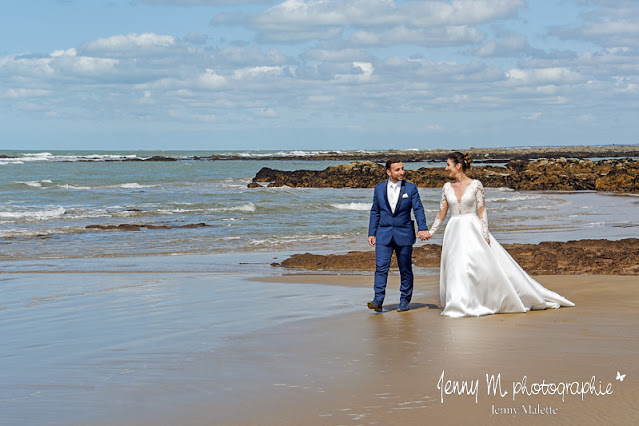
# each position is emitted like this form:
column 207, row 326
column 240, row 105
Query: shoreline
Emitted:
column 585, row 256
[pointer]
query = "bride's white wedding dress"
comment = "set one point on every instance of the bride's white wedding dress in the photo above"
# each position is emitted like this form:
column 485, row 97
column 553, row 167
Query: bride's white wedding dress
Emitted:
column 477, row 278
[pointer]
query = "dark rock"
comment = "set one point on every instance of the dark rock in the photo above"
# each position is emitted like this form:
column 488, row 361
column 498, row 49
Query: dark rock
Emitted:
column 618, row 175
column 600, row 257
column 193, row 225
column 138, row 227
column 160, row 158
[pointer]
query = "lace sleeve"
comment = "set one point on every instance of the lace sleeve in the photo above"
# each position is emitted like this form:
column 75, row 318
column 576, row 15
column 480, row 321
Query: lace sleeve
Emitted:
column 443, row 209
column 481, row 208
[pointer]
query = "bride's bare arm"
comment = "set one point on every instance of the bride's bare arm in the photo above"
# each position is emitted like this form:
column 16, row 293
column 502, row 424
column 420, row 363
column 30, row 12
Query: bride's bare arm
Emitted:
column 443, row 210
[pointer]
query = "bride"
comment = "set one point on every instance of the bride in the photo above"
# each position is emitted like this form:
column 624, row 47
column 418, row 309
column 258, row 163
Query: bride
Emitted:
column 477, row 276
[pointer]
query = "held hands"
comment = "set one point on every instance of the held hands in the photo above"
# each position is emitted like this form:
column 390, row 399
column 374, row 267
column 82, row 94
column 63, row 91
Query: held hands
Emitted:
column 424, row 235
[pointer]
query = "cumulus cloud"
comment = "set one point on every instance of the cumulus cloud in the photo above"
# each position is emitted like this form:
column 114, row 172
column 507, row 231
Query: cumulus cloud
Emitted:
column 20, row 93
column 195, row 38
column 210, row 80
column 432, row 23
column 433, row 37
column 533, row 116
column 338, row 55
column 543, row 76
column 362, row 72
column 130, row 44
column 367, row 57
column 202, row 2
column 257, row 72
column 513, row 45
column 266, row 112
column 250, row 55
column 607, row 23
column 587, row 118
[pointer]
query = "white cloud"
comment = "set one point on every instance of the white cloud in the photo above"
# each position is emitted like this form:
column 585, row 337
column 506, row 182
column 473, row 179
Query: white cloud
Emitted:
column 83, row 65
column 243, row 56
column 533, row 116
column 19, row 93
column 431, row 23
column 256, row 72
column 126, row 45
column 587, row 118
column 27, row 66
column 510, row 46
column 435, row 37
column 367, row 57
column 607, row 23
column 202, row 2
column 211, row 80
column 266, row 112
column 362, row 73
column 196, row 38
column 205, row 117
column 304, row 13
column 68, row 52
column 338, row 55
column 543, row 75
column 321, row 99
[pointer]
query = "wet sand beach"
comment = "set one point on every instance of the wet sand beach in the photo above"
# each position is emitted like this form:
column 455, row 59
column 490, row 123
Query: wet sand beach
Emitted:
column 383, row 368
column 200, row 348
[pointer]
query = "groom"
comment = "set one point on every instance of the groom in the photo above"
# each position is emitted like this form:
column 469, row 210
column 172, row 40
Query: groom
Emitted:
column 391, row 229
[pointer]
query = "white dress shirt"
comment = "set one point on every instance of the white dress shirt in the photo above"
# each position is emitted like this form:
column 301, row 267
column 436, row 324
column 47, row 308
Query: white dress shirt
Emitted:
column 392, row 190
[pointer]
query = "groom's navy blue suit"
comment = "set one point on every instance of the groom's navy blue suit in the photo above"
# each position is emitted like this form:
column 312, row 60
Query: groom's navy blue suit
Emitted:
column 395, row 231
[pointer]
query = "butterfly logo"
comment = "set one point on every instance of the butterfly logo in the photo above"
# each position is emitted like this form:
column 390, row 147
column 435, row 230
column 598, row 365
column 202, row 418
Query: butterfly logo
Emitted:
column 620, row 376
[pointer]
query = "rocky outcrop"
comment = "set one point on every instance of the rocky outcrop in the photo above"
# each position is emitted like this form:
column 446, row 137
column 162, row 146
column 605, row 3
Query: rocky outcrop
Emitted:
column 362, row 174
column 562, row 174
column 160, row 158
column 550, row 258
column 138, row 227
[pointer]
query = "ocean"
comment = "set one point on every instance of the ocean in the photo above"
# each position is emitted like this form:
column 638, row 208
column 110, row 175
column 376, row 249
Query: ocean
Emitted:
column 93, row 318
column 49, row 199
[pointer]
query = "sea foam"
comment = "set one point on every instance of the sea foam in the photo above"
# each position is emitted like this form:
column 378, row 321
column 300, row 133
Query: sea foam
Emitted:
column 34, row 215
column 351, row 206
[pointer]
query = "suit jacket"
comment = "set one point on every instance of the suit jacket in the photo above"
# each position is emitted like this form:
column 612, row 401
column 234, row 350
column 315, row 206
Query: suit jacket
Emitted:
column 385, row 225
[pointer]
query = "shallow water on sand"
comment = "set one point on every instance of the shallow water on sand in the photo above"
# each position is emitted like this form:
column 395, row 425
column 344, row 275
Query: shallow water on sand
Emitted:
column 73, row 343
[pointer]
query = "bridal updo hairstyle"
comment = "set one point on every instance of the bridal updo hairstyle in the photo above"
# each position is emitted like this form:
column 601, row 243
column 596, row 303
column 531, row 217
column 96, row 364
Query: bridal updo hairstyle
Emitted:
column 463, row 159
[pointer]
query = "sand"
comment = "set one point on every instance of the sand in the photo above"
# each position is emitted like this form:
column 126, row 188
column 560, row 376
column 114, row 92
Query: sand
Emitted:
column 384, row 368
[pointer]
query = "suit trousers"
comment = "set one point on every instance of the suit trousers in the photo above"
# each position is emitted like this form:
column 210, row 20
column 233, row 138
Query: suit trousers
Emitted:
column 383, row 254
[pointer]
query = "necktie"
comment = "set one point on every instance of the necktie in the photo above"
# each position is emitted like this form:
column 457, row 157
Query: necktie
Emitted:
column 394, row 196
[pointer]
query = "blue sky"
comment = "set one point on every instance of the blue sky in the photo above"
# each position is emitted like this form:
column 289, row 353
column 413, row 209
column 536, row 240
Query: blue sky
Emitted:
column 321, row 74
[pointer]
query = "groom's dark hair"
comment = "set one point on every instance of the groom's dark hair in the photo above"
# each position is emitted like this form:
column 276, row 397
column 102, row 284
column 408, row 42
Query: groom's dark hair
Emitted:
column 392, row 161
